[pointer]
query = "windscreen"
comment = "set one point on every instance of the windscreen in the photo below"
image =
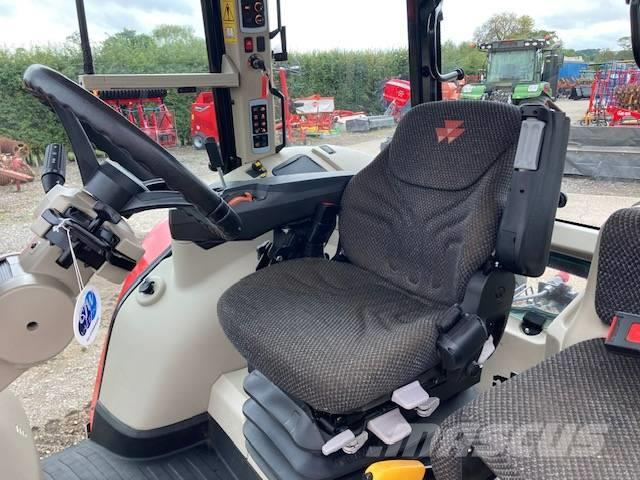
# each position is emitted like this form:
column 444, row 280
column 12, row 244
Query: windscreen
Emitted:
column 516, row 66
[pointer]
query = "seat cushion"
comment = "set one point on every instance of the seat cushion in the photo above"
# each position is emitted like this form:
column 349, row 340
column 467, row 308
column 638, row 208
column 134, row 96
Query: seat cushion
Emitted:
column 329, row 333
column 575, row 416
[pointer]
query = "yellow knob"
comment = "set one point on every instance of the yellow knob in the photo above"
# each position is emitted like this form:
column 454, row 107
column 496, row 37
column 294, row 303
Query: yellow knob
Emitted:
column 397, row 470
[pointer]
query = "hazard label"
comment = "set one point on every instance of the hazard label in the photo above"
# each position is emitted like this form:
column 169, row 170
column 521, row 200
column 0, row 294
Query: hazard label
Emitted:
column 229, row 26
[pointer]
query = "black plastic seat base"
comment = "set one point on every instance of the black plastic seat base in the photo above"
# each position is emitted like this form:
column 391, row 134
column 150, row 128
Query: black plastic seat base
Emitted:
column 286, row 442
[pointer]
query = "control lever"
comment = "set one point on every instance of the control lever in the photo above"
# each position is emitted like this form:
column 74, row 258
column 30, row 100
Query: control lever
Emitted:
column 55, row 166
column 215, row 159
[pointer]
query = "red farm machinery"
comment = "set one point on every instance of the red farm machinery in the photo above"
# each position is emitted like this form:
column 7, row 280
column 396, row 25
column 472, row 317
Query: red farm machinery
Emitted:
column 13, row 167
column 396, row 95
column 615, row 96
column 315, row 115
column 145, row 109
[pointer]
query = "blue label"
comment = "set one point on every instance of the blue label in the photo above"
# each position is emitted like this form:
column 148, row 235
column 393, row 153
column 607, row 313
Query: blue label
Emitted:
column 89, row 312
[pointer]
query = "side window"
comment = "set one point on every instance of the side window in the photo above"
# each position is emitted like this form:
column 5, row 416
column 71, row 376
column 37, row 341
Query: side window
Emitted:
column 346, row 85
column 532, row 55
column 538, row 55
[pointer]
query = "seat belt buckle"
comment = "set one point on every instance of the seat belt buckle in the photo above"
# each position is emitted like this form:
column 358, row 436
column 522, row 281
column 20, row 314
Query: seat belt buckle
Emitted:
column 624, row 335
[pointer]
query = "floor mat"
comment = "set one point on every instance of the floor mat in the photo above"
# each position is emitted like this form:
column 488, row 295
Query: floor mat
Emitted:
column 89, row 461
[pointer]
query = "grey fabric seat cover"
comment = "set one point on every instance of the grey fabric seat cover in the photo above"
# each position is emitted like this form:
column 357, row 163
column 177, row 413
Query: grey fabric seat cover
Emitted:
column 584, row 387
column 416, row 224
column 549, row 422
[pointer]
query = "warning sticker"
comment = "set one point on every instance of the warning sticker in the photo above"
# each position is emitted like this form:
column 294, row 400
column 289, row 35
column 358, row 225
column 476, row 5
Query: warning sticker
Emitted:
column 228, row 8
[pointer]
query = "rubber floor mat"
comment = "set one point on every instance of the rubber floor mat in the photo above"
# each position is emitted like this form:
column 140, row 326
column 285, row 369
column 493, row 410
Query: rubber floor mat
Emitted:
column 89, row 461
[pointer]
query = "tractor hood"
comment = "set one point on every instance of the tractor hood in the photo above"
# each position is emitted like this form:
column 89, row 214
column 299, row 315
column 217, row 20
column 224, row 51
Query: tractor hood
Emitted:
column 473, row 91
column 524, row 91
column 510, row 91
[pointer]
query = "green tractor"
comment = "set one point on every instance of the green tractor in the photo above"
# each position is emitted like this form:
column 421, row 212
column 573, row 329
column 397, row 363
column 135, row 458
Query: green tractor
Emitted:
column 518, row 71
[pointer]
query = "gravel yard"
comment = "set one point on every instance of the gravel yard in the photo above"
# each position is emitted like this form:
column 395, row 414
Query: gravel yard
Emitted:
column 56, row 394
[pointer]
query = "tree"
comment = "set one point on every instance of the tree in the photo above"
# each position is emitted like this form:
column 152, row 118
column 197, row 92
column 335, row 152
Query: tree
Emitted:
column 463, row 55
column 624, row 43
column 504, row 26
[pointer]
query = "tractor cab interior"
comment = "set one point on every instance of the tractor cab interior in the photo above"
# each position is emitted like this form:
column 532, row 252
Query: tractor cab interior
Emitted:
column 379, row 308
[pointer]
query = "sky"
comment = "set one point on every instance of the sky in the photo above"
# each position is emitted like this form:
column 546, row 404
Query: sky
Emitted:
column 317, row 24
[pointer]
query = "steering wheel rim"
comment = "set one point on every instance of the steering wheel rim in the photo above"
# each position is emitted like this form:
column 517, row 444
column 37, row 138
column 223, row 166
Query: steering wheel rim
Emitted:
column 127, row 145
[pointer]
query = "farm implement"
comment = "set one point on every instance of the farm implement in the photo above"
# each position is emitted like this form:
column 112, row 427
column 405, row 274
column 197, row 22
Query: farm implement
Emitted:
column 13, row 169
column 146, row 110
column 315, row 115
column 615, row 97
column 396, row 95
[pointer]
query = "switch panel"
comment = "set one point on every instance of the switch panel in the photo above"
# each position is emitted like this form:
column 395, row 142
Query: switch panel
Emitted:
column 253, row 16
column 259, row 126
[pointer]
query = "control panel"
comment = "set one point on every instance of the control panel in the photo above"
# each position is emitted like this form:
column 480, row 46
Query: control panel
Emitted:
column 253, row 16
column 248, row 46
column 259, row 125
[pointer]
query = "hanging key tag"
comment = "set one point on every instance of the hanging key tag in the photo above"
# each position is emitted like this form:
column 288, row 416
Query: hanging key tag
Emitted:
column 87, row 315
column 88, row 310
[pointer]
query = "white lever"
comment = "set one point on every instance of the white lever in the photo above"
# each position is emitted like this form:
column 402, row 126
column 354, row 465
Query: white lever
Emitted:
column 345, row 441
column 414, row 397
column 390, row 427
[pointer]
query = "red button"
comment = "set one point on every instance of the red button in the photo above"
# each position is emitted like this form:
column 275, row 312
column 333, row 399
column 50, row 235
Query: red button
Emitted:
column 634, row 333
column 248, row 45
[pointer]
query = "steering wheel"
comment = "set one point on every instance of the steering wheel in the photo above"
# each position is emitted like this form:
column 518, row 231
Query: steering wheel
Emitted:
column 128, row 181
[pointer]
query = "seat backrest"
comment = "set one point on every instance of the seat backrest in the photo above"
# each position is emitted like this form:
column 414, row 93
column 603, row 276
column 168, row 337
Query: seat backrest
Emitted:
column 618, row 280
column 425, row 213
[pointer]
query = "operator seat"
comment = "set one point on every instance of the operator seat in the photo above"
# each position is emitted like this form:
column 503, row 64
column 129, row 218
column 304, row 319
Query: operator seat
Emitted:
column 575, row 415
column 418, row 291
column 416, row 224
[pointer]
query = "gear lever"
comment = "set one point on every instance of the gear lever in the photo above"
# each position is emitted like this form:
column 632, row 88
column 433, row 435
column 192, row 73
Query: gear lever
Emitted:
column 215, row 159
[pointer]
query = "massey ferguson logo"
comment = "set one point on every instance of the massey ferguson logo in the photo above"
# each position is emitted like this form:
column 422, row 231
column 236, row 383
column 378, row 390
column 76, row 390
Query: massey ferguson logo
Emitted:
column 451, row 131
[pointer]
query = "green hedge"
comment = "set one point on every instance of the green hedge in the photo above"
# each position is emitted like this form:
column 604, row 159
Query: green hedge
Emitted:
column 354, row 78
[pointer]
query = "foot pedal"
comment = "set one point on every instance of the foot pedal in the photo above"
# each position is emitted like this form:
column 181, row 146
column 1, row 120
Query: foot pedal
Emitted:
column 414, row 397
column 345, row 441
column 390, row 427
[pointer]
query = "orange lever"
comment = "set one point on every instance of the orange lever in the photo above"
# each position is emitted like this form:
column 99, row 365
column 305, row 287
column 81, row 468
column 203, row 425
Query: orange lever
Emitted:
column 246, row 197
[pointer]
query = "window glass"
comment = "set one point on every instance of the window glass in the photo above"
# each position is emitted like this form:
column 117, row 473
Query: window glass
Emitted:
column 578, row 54
column 511, row 66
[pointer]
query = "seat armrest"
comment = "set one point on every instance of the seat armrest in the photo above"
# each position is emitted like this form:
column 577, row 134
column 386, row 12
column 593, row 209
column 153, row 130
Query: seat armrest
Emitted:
column 524, row 238
column 278, row 201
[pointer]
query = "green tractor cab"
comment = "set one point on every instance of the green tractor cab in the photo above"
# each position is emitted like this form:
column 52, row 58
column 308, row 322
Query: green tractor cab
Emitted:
column 517, row 71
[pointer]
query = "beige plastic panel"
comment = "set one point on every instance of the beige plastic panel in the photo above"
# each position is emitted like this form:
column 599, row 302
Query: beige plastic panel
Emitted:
column 165, row 355
column 574, row 240
column 250, row 81
column 518, row 352
column 18, row 456
column 228, row 78
column 37, row 301
column 225, row 407
column 581, row 323
column 344, row 160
